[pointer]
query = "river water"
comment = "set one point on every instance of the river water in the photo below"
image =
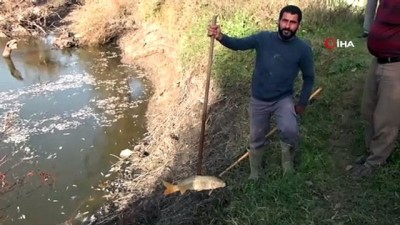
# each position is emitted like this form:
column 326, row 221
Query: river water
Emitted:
column 63, row 113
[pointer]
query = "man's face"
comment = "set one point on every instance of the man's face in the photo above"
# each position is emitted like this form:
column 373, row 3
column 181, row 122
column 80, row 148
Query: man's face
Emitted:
column 288, row 25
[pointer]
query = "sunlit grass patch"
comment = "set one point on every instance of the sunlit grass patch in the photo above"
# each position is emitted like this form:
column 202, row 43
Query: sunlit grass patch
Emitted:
column 321, row 191
column 275, row 200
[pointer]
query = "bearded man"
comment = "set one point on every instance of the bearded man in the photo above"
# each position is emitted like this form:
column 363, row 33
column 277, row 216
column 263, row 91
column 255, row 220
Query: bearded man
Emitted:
column 279, row 58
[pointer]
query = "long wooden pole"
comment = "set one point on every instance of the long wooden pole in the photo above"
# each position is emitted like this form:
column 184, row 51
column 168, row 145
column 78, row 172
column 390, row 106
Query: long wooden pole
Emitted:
column 269, row 134
column 205, row 104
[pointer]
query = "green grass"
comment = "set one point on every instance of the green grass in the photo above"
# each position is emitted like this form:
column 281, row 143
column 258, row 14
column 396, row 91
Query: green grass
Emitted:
column 320, row 192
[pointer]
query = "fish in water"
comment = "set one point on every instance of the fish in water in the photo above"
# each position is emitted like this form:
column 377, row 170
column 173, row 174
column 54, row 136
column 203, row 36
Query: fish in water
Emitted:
column 196, row 183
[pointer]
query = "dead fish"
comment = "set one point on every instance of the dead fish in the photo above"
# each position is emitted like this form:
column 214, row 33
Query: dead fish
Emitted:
column 196, row 183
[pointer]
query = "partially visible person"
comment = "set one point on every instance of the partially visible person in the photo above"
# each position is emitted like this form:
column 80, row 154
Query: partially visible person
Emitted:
column 381, row 98
column 279, row 58
column 369, row 16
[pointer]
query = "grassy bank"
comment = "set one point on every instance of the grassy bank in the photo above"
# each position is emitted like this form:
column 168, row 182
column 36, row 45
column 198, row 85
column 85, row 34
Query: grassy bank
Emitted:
column 332, row 137
column 332, row 131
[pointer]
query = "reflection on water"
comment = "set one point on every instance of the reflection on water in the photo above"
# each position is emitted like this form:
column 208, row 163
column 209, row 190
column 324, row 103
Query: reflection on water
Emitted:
column 14, row 72
column 62, row 113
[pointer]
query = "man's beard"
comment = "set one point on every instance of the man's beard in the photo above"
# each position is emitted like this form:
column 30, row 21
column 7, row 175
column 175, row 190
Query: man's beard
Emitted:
column 284, row 33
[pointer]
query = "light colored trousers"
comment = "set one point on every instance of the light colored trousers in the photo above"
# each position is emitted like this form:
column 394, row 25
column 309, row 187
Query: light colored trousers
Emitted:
column 369, row 16
column 381, row 110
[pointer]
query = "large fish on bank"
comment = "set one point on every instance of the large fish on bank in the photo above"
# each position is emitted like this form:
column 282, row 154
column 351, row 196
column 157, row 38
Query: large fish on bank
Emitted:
column 196, row 183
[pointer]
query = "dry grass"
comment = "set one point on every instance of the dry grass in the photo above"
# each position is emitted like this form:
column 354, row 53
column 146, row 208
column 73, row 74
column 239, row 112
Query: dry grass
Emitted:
column 177, row 16
column 22, row 18
column 9, row 6
column 56, row 3
column 99, row 21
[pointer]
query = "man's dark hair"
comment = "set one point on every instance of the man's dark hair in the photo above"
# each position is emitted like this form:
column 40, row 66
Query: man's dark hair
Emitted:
column 292, row 9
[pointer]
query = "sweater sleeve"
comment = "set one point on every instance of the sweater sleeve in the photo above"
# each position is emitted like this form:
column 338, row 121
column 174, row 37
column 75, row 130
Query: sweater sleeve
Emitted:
column 308, row 75
column 244, row 43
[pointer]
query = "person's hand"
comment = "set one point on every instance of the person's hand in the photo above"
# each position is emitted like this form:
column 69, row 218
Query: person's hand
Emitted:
column 299, row 109
column 215, row 32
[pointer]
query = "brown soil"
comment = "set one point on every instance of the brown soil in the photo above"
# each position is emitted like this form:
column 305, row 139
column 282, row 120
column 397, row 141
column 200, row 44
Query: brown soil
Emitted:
column 174, row 123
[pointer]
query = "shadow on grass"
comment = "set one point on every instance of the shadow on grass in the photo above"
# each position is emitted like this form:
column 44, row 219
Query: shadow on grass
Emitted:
column 319, row 193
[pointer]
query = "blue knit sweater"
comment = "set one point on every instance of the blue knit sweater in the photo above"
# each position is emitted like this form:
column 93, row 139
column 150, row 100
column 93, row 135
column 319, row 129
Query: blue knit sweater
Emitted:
column 277, row 65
